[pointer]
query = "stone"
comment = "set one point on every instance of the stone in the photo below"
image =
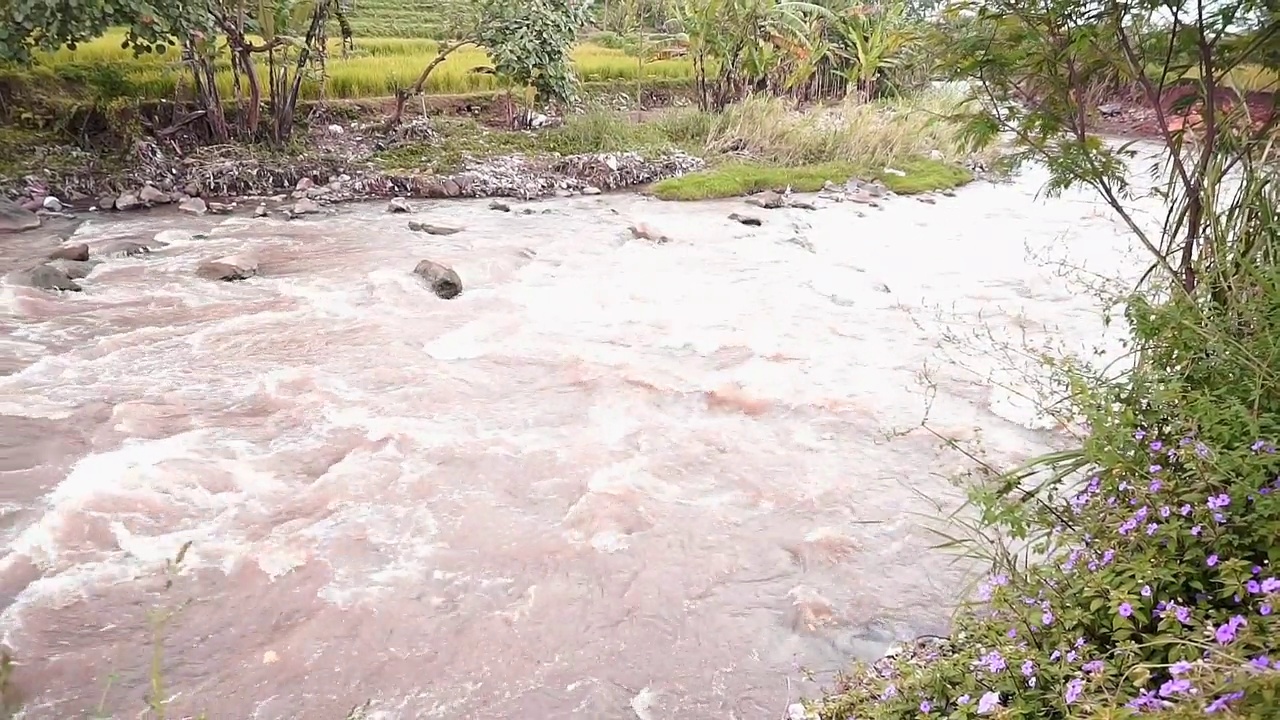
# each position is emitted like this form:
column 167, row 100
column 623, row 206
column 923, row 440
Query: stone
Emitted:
column 335, row 129
column 305, row 206
column 164, row 238
column 803, row 205
column 128, row 201
column 218, row 208
column 193, row 205
column 14, row 219
column 927, row 200
column 260, row 211
column 47, row 277
column 123, row 248
column 768, row 200
column 591, row 190
column 192, row 189
column 229, row 268
column 800, row 243
column 645, row 231
column 52, row 204
column 107, row 202
column 304, row 184
column 71, row 252
column 442, row 279
column 431, row 229
column 746, row 219
column 154, row 196
column 499, row 206
column 451, row 188
column 399, row 205
column 32, row 204
column 75, row 269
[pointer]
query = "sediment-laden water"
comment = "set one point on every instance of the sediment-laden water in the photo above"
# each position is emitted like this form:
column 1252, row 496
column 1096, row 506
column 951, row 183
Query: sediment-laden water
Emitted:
column 612, row 479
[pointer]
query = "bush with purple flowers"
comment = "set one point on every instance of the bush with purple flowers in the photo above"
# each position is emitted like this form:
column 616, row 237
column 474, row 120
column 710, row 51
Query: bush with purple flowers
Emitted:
column 1156, row 586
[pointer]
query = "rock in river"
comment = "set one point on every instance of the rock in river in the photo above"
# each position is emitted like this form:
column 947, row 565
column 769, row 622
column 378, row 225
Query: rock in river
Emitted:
column 75, row 269
column 47, row 277
column 71, row 252
column 745, row 219
column 14, row 219
column 231, row 267
column 768, row 200
column 442, row 280
column 399, row 205
column 123, row 248
column 193, row 205
column 430, row 229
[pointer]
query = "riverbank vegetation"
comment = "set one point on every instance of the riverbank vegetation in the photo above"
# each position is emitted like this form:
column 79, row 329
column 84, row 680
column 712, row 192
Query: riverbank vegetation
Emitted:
column 1138, row 573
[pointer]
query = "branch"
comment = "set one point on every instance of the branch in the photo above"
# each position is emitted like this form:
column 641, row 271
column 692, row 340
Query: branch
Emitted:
column 442, row 54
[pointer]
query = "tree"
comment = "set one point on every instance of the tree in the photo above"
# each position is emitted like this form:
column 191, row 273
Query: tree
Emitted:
column 530, row 42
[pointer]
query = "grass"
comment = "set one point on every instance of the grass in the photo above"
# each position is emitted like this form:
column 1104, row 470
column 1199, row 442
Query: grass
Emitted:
column 377, row 68
column 803, row 150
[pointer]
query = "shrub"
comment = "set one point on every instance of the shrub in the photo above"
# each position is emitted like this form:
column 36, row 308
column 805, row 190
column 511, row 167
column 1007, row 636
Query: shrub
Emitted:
column 1156, row 578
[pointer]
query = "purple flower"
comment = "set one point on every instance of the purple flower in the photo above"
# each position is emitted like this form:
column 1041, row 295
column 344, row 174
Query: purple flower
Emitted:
column 1156, row 446
column 1056, row 654
column 1126, row 610
column 1253, row 587
column 1074, row 688
column 1128, row 526
column 988, row 702
column 1147, row 700
column 1071, row 656
column 1154, row 469
column 1175, row 687
column 1185, row 510
column 926, row 707
column 1270, row 585
column 1139, row 435
column 1108, row 556
column 1196, row 530
column 1202, row 450
column 1152, row 528
column 992, row 661
column 1013, row 633
column 1155, row 486
column 1262, row 446
column 1212, row 561
column 1226, row 632
column 1047, row 617
column 1145, row 591
column 889, row 692
column 1261, row 662
column 964, row 699
column 1264, row 609
column 1141, row 514
column 1079, row 643
column 1183, row 614
column 1221, row 703
column 1165, row 511
column 1093, row 667
column 1182, row 667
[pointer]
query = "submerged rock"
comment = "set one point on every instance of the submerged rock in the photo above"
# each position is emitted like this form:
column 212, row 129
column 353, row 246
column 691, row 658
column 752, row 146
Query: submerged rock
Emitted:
column 305, row 206
column 13, row 218
column 124, row 248
column 746, row 219
column 399, row 205
column 431, row 229
column 229, row 268
column 769, row 200
column 442, row 279
column 47, row 277
column 71, row 252
column 75, row 269
column 645, row 231
column 499, row 206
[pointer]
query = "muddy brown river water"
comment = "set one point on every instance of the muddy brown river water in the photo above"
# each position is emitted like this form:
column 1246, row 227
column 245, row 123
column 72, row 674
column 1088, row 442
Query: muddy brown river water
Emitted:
column 610, row 480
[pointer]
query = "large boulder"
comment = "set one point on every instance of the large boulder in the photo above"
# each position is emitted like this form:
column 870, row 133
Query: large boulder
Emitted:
column 229, row 268
column 75, row 269
column 71, row 252
column 153, row 195
column 13, row 218
column 193, row 205
column 47, row 277
column 128, row 201
column 442, row 280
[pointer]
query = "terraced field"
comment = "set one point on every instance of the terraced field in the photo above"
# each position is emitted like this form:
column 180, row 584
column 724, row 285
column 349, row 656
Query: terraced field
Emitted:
column 397, row 18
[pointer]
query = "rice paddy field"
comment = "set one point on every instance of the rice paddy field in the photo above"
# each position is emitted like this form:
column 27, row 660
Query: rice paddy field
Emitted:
column 376, row 68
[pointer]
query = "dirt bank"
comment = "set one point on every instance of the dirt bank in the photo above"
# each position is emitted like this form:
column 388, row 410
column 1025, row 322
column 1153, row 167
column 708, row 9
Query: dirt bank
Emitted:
column 1131, row 115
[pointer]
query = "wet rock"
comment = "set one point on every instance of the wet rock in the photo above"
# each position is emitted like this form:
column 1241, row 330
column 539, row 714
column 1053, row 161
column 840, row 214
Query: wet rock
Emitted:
column 32, row 204
column 948, row 193
column 800, row 243
column 52, row 204
column 305, row 206
column 128, row 201
column 646, row 231
column 399, row 205
column 768, row 200
column 218, row 208
column 47, row 277
column 431, row 229
column 803, row 205
column 75, row 269
column 229, row 268
column 451, row 188
column 164, row 238
column 14, row 219
column 442, row 280
column 71, row 252
column 153, row 195
column 499, row 206
column 260, row 211
column 745, row 219
column 107, row 202
column 1110, row 110
column 927, row 200
column 123, row 248
column 590, row 190
column 304, row 184
column 193, row 205
column 883, row 288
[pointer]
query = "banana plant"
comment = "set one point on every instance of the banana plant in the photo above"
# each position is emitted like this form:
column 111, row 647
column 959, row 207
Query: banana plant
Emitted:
column 871, row 40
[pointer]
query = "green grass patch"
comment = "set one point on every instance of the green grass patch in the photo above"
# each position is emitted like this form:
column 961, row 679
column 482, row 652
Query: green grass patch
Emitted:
column 736, row 179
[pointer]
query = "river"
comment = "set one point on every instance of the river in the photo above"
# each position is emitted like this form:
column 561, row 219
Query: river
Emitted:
column 610, row 480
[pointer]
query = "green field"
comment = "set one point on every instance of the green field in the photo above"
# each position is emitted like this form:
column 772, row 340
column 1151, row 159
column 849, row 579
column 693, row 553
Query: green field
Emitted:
column 376, row 68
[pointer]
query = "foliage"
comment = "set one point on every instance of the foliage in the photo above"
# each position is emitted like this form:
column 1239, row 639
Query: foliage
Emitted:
column 49, row 24
column 530, row 42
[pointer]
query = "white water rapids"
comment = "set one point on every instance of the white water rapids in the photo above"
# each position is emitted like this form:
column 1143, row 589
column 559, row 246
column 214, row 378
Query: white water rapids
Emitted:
column 612, row 479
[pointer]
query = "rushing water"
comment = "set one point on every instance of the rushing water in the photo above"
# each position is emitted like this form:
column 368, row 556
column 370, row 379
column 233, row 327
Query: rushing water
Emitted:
column 610, row 480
